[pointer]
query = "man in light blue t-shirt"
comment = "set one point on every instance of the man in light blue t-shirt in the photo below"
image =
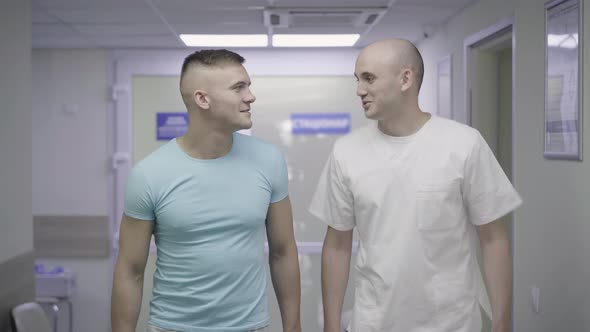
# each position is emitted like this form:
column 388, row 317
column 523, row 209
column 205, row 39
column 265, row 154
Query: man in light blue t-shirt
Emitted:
column 208, row 197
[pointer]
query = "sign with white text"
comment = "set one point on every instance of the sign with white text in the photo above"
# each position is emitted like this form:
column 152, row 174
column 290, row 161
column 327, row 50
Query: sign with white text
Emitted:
column 320, row 123
column 171, row 125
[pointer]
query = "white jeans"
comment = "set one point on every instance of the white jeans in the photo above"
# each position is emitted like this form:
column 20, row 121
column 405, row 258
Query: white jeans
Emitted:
column 151, row 328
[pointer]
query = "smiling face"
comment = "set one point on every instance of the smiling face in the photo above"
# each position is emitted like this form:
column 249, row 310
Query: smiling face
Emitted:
column 219, row 95
column 387, row 78
column 215, row 88
column 378, row 83
column 229, row 97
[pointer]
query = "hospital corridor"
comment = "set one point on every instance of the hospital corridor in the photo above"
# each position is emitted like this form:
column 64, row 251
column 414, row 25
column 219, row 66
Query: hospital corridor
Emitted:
column 89, row 90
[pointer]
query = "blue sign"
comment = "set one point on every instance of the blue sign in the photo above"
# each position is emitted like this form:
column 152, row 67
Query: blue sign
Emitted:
column 320, row 123
column 171, row 125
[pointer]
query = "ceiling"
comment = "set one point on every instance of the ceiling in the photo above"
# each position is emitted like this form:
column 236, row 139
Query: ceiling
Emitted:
column 157, row 23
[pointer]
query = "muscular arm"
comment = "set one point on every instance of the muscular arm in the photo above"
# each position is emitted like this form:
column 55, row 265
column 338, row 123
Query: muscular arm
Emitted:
column 497, row 268
column 336, row 255
column 134, row 246
column 284, row 263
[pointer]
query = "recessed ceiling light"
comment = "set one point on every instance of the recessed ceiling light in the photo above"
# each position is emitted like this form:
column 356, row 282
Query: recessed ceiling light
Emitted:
column 225, row 40
column 313, row 40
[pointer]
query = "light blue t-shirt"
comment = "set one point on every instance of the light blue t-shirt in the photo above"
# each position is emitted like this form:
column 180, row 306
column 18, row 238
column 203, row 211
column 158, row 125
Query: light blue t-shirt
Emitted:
column 209, row 231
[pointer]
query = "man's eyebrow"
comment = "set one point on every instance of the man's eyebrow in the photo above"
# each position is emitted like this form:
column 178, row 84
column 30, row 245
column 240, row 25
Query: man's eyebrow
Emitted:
column 239, row 83
column 364, row 75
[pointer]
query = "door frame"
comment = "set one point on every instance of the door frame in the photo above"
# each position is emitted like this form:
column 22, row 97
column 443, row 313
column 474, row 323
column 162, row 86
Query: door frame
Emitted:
column 470, row 43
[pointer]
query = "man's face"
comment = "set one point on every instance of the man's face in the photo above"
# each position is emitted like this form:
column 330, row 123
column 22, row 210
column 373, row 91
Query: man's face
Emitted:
column 230, row 97
column 379, row 84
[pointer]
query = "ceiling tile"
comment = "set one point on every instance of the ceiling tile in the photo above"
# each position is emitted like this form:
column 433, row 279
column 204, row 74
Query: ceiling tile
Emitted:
column 88, row 4
column 153, row 23
column 50, row 30
column 61, row 42
column 221, row 28
column 106, row 15
column 212, row 16
column 437, row 3
column 123, row 29
column 191, row 5
column 139, row 41
column 39, row 15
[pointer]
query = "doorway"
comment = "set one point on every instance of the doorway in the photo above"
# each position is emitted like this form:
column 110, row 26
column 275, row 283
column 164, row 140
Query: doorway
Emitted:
column 489, row 78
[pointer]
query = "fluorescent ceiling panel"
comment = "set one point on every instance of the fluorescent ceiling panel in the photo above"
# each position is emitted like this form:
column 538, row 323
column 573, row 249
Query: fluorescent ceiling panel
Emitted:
column 225, row 40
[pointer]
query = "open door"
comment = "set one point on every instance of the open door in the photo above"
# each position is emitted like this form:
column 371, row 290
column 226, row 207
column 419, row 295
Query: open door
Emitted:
column 489, row 83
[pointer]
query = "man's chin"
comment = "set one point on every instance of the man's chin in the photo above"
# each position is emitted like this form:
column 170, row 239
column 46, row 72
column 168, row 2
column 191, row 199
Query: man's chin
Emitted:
column 244, row 126
column 371, row 115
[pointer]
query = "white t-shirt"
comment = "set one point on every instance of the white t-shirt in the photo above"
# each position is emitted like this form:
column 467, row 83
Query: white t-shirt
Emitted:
column 415, row 213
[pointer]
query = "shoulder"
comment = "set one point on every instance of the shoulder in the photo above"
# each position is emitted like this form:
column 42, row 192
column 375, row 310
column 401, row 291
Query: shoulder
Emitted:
column 161, row 157
column 454, row 133
column 252, row 142
column 354, row 142
column 456, row 127
column 249, row 146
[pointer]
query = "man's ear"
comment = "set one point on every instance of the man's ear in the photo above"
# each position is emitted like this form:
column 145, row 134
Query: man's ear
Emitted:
column 407, row 79
column 201, row 99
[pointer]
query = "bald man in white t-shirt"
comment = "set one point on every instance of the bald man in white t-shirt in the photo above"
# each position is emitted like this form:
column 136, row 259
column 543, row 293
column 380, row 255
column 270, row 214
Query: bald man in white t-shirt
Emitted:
column 420, row 191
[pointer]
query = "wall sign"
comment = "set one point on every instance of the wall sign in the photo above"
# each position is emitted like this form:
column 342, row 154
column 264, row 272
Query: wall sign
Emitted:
column 171, row 125
column 320, row 123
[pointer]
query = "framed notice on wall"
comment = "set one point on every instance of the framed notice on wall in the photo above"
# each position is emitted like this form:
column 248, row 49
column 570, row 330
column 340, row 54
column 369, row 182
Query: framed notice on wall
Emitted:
column 563, row 79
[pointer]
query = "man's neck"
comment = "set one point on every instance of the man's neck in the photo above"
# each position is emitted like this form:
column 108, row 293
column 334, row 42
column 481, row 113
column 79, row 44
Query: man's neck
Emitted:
column 205, row 144
column 404, row 123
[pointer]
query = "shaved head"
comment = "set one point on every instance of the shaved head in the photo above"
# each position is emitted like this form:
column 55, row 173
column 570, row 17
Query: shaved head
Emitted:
column 400, row 54
column 389, row 75
column 199, row 69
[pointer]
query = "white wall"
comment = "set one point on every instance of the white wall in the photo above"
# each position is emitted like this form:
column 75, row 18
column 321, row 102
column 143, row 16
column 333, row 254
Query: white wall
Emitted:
column 70, row 104
column 16, row 225
column 16, row 235
column 71, row 174
column 551, row 229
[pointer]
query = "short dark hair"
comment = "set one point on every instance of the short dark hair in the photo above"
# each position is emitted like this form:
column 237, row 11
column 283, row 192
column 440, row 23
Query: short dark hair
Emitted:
column 210, row 58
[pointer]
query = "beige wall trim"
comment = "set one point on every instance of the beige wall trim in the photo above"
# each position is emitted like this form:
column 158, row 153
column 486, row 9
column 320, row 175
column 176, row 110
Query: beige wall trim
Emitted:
column 17, row 285
column 71, row 236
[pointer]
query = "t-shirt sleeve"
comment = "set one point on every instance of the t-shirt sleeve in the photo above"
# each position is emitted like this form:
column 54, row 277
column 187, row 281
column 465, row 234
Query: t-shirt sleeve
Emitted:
column 280, row 180
column 332, row 201
column 138, row 197
column 487, row 192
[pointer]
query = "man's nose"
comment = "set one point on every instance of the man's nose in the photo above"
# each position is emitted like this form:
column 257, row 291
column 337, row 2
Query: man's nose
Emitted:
column 360, row 90
column 250, row 98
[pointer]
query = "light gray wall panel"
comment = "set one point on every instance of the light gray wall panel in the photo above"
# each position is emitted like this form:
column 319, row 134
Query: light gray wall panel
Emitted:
column 71, row 236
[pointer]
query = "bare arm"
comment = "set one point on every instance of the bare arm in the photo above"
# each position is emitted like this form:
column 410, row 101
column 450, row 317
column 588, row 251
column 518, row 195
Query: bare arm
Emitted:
column 134, row 247
column 284, row 263
column 497, row 268
column 336, row 255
